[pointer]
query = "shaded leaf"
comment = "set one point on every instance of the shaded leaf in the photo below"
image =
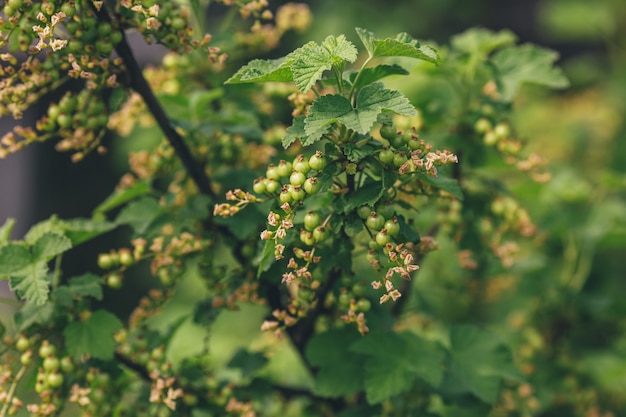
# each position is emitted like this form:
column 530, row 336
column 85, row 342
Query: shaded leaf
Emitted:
column 13, row 257
column 444, row 183
column 294, row 132
column 371, row 75
column 49, row 245
column 532, row 64
column 139, row 214
column 31, row 283
column 87, row 285
column 94, row 336
column 355, row 152
column 82, row 230
column 30, row 314
column 368, row 194
column 267, row 257
column 482, row 41
column 248, row 362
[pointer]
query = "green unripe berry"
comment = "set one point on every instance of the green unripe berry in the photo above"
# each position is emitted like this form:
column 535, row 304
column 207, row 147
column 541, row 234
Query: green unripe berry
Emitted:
column 284, row 168
column 104, row 29
column 320, row 234
column 364, row 212
column 22, row 343
column 386, row 209
column 64, row 120
column 490, row 138
column 67, row 365
column 392, row 226
column 399, row 159
column 307, row 238
column 51, row 363
column 382, row 238
column 271, row 172
column 259, row 186
column 54, row 380
column 388, row 132
column 344, row 299
column 114, row 281
column 285, row 195
column 502, row 130
column 26, row 358
column 375, row 221
column 297, row 178
column 271, row 185
column 297, row 193
column 301, row 165
column 46, row 349
column 105, row 261
column 482, row 125
column 312, row 185
column 317, row 161
column 126, row 257
column 363, row 305
column 311, row 220
column 358, row 289
column 386, row 156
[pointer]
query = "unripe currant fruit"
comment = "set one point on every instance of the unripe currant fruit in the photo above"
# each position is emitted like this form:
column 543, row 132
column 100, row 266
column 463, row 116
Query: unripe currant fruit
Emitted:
column 311, row 220
column 22, row 343
column 26, row 358
column 126, row 257
column 312, row 185
column 51, row 363
column 317, row 161
column 67, row 365
column 363, row 305
column 297, row 193
column 320, row 234
column 54, row 380
column 272, row 172
column 297, row 178
column 114, row 281
column 307, row 237
column 271, row 185
column 301, row 165
column 482, row 125
column 285, row 195
column 386, row 156
column 47, row 349
column 392, row 226
column 399, row 159
column 502, row 130
column 388, row 132
column 363, row 212
column 386, row 209
column 284, row 168
column 375, row 221
column 259, row 186
column 382, row 238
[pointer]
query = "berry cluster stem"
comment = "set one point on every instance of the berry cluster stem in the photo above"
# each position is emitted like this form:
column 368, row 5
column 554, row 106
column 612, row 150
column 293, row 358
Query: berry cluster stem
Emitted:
column 138, row 83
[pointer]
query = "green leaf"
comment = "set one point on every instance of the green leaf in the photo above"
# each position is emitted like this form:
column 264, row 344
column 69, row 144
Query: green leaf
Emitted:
column 5, row 231
column 371, row 101
column 340, row 49
column 532, row 64
column 248, row 362
column 478, row 363
column 30, row 314
column 53, row 224
column 355, row 152
column 311, row 60
column 86, row 285
column 444, row 183
column 294, row 132
column 480, row 41
column 31, row 283
column 139, row 214
column 403, row 45
column 371, row 75
column 93, row 336
column 267, row 257
column 49, row 245
column 82, row 230
column 13, row 257
column 340, row 371
column 369, row 193
column 352, row 225
column 408, row 232
column 120, row 197
column 246, row 225
column 263, row 70
column 395, row 360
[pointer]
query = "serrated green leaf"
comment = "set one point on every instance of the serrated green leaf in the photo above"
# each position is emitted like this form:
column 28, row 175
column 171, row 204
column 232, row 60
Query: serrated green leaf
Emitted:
column 263, row 70
column 340, row 48
column 139, row 214
column 31, row 313
column 409, row 234
column 371, row 75
column 93, row 336
column 352, row 225
column 403, row 45
column 31, row 283
column 120, row 197
column 86, row 285
column 294, row 132
column 49, row 245
column 5, row 231
column 517, row 65
column 53, row 224
column 355, row 152
column 371, row 101
column 340, row 371
column 395, row 360
column 82, row 230
column 482, row 41
column 369, row 194
column 309, row 63
column 478, row 363
column 13, row 257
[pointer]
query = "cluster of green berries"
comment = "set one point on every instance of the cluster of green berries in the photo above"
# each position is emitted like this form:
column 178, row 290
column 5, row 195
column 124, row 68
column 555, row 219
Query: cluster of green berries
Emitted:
column 352, row 296
column 382, row 223
column 400, row 145
column 75, row 110
column 117, row 260
column 292, row 180
column 498, row 135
